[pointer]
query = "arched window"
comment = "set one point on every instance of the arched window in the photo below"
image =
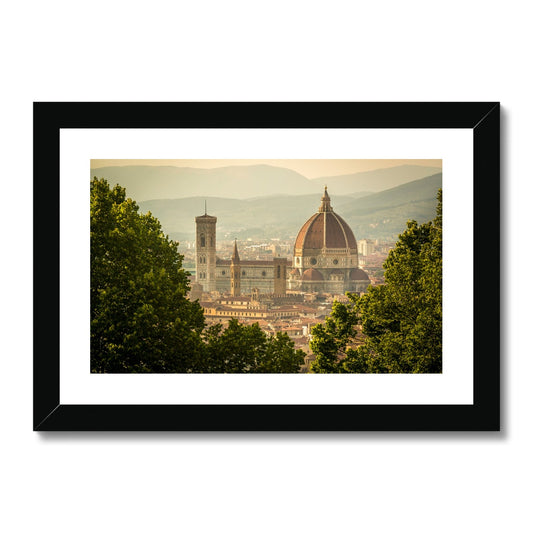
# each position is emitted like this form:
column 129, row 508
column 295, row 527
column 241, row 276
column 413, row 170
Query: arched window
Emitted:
column 202, row 240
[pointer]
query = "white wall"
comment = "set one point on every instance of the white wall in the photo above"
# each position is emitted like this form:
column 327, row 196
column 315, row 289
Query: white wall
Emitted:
column 376, row 51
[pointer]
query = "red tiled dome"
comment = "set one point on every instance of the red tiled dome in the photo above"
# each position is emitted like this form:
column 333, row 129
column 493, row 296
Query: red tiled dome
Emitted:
column 325, row 229
column 312, row 275
column 357, row 274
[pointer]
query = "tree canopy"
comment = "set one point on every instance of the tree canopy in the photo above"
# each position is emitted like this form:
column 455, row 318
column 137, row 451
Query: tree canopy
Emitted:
column 246, row 348
column 395, row 327
column 141, row 319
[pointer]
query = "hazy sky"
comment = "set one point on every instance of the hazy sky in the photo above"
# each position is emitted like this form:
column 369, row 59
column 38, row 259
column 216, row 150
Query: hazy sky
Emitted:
column 310, row 168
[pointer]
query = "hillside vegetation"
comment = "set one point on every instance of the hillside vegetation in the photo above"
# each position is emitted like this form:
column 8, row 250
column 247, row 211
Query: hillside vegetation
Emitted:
column 381, row 215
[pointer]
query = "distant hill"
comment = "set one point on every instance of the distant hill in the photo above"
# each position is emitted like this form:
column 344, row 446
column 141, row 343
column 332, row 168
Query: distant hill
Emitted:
column 274, row 216
column 167, row 182
column 251, row 181
column 376, row 180
column 382, row 215
column 408, row 193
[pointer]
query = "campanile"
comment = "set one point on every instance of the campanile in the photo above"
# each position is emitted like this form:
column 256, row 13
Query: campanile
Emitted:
column 206, row 247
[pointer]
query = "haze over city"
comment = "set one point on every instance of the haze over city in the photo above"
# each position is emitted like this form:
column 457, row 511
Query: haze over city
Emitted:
column 261, row 199
column 310, row 168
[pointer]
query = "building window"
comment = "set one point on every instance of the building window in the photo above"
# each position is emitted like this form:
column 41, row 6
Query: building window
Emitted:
column 335, row 261
column 244, row 272
column 279, row 271
column 263, row 273
column 202, row 240
column 223, row 272
column 313, row 260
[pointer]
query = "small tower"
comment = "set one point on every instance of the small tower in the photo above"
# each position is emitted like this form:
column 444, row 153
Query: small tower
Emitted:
column 206, row 247
column 325, row 202
column 235, row 271
column 255, row 295
column 280, row 276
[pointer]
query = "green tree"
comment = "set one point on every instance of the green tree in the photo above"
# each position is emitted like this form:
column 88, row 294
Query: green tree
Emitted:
column 141, row 320
column 247, row 349
column 395, row 327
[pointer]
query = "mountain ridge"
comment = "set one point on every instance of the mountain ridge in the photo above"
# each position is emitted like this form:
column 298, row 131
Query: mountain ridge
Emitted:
column 379, row 215
column 248, row 181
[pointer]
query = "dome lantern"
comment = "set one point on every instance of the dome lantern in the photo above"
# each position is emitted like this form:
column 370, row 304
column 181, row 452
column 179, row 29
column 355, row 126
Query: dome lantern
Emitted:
column 325, row 203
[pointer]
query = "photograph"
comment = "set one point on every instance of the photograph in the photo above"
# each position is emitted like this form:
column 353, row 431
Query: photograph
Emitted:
column 280, row 274
column 275, row 266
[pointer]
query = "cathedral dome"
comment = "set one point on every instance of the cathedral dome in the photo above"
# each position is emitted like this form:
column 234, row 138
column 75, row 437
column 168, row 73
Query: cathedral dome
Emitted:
column 325, row 251
column 357, row 274
column 325, row 229
column 312, row 274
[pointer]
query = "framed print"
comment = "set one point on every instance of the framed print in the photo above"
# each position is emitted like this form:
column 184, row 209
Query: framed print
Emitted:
column 266, row 266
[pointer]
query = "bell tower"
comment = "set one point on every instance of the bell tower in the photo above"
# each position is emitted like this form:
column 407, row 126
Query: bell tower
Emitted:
column 206, row 247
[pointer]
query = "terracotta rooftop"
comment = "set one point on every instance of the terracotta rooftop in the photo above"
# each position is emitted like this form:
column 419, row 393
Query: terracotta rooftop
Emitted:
column 227, row 262
column 312, row 275
column 357, row 274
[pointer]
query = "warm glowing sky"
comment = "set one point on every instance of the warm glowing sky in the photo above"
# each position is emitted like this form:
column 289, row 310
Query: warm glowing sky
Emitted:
column 310, row 168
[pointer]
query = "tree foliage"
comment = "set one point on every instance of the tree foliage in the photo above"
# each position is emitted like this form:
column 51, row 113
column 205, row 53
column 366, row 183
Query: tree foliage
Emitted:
column 246, row 348
column 141, row 320
column 395, row 327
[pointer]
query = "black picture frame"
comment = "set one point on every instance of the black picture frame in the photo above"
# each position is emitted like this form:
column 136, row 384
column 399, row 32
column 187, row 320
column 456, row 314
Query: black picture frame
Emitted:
column 483, row 118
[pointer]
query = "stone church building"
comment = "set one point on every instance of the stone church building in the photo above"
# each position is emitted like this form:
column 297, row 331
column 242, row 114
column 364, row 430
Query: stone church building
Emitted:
column 325, row 255
column 234, row 276
column 325, row 260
